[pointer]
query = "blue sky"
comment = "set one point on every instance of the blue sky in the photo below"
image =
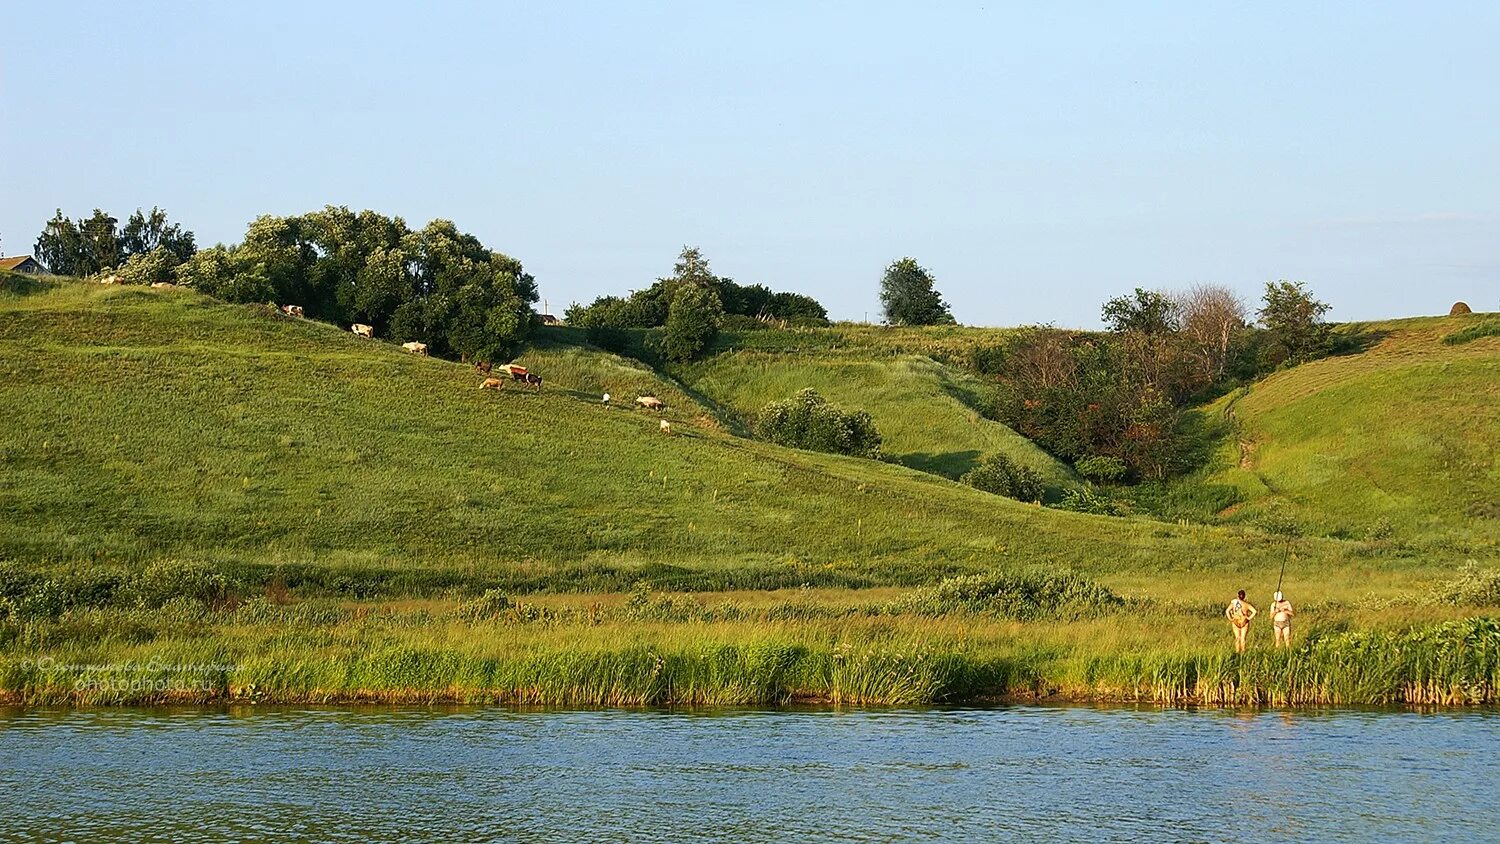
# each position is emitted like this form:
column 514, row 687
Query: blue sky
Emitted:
column 1037, row 157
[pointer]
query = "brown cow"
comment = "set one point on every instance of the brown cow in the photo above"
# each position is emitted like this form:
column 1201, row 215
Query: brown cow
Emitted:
column 292, row 310
column 492, row 384
column 484, row 367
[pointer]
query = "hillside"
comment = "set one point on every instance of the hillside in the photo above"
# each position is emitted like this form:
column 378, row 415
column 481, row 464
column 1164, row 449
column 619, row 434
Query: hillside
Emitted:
column 150, row 424
column 925, row 411
column 209, row 502
column 1396, row 441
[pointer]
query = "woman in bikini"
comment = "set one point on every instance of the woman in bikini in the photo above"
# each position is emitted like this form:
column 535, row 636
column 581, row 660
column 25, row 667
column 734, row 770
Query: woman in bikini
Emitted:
column 1281, row 620
column 1239, row 612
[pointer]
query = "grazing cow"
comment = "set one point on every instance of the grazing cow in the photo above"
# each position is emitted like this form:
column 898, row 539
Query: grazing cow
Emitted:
column 363, row 330
column 514, row 370
column 492, row 384
column 292, row 310
column 666, row 427
column 532, row 381
column 415, row 348
column 484, row 367
column 110, row 279
column 650, row 402
column 163, row 285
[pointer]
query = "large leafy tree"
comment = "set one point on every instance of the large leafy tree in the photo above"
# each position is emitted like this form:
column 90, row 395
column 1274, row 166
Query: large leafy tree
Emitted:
column 692, row 322
column 1295, row 330
column 909, row 297
column 1145, row 311
column 437, row 285
column 146, row 232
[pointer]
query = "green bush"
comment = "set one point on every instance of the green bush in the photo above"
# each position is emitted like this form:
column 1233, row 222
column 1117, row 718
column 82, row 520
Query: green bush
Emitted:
column 167, row 579
column 1100, row 468
column 1472, row 587
column 160, row 264
column 1025, row 596
column 808, row 421
column 1090, row 500
column 998, row 474
column 1489, row 327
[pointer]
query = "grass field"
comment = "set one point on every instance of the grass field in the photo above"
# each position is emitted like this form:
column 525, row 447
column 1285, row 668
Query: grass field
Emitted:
column 1397, row 441
column 355, row 502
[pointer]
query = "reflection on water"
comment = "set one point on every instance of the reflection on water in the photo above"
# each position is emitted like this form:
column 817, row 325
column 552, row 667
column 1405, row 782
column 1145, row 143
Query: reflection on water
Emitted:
column 486, row 774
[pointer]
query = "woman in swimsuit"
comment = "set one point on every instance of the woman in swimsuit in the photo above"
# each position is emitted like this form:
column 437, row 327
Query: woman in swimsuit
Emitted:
column 1239, row 612
column 1281, row 620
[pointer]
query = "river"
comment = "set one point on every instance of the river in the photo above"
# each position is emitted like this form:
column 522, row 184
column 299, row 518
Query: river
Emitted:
column 472, row 774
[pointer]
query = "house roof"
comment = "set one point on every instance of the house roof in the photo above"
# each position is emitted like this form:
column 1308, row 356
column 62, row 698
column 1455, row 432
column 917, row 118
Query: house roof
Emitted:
column 12, row 263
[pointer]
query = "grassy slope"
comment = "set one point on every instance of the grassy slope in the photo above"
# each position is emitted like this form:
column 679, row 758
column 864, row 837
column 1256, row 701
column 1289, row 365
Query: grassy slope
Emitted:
column 923, row 409
column 159, row 423
column 149, row 424
column 1403, row 434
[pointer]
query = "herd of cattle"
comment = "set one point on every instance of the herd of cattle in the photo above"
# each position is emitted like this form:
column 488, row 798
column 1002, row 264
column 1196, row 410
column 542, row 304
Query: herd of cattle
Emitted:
column 517, row 373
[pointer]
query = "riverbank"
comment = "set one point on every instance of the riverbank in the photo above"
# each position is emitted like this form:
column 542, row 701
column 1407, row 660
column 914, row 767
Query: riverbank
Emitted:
column 315, row 653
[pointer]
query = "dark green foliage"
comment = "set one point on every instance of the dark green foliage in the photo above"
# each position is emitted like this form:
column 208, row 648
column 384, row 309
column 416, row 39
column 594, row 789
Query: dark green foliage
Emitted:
column 692, row 323
column 808, row 421
column 1295, row 330
column 1033, row 595
column 1089, row 499
column 650, row 308
column 1000, row 475
column 1101, row 468
column 1147, row 311
column 908, row 296
column 96, row 243
column 435, row 285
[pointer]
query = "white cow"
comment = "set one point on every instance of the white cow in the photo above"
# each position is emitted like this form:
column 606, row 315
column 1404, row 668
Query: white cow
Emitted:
column 666, row 427
column 363, row 330
column 292, row 310
column 415, row 348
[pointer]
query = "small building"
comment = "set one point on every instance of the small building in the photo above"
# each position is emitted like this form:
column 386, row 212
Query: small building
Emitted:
column 23, row 264
column 549, row 319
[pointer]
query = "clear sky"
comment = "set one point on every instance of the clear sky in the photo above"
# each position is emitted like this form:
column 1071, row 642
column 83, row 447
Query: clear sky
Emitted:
column 1037, row 157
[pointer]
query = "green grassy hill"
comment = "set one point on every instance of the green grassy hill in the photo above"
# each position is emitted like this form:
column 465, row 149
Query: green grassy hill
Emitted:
column 148, row 424
column 1401, row 440
column 922, row 409
column 209, row 502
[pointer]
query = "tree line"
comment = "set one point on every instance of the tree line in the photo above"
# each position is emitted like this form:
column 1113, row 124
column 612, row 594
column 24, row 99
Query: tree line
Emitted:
column 1116, row 405
column 691, row 305
column 436, row 284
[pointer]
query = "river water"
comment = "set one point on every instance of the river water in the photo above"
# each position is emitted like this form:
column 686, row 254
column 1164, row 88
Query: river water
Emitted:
column 472, row 774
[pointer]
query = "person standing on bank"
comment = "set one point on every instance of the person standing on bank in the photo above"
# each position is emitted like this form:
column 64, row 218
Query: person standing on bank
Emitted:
column 1239, row 612
column 1281, row 620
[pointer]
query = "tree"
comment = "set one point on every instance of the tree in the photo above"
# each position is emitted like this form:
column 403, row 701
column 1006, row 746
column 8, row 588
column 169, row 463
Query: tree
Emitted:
column 908, row 296
column 144, row 233
column 1146, row 311
column 1212, row 320
column 60, row 246
column 1294, row 323
column 692, row 322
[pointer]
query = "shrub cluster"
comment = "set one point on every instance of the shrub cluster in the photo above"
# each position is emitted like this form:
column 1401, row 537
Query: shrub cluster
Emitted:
column 1472, row 587
column 1000, row 475
column 26, row 594
column 715, row 298
column 435, row 285
column 1025, row 596
column 808, row 421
